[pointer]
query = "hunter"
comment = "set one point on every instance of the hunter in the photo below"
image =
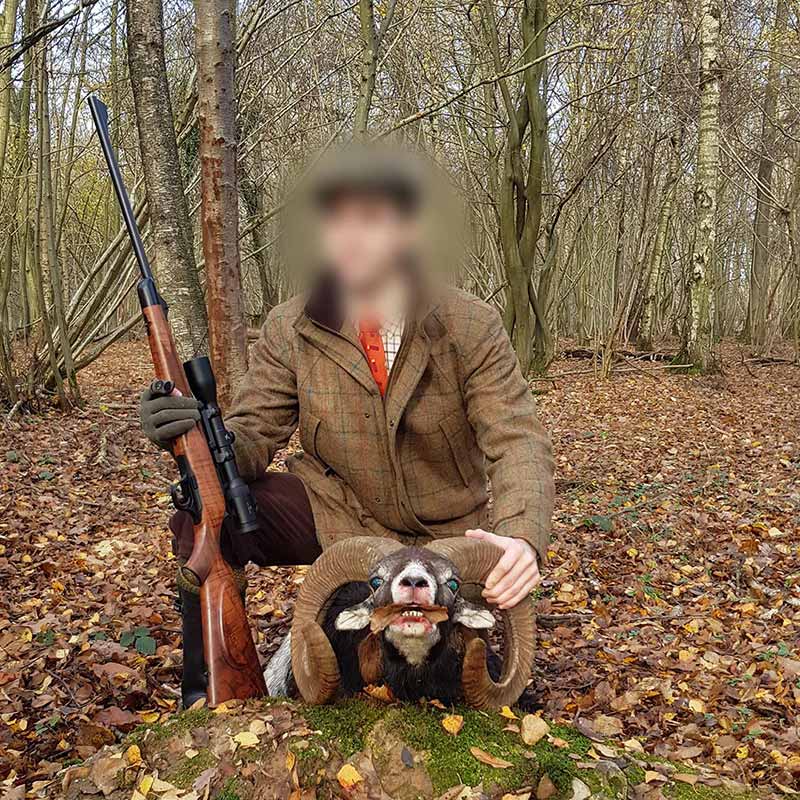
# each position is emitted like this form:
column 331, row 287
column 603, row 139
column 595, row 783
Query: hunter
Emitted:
column 406, row 393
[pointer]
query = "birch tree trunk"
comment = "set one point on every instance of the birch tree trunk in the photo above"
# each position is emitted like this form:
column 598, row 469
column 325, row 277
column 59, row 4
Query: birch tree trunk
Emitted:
column 760, row 272
column 700, row 330
column 216, row 113
column 175, row 265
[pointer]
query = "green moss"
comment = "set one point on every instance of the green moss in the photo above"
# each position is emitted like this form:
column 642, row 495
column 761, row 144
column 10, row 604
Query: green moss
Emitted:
column 684, row 791
column 345, row 725
column 231, row 790
column 180, row 723
column 186, row 772
column 448, row 758
column 556, row 761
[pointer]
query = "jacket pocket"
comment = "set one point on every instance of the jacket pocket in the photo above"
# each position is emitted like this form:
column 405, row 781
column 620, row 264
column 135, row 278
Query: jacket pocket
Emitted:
column 309, row 434
column 456, row 430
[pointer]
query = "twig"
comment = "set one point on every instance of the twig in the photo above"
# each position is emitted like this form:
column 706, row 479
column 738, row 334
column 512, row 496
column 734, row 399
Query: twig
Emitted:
column 616, row 371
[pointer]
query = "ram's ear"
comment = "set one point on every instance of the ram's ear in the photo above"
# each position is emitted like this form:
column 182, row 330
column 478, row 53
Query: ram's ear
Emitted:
column 356, row 617
column 472, row 616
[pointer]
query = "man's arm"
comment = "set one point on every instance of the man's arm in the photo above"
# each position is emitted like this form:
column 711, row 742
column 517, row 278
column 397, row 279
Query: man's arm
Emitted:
column 501, row 410
column 264, row 412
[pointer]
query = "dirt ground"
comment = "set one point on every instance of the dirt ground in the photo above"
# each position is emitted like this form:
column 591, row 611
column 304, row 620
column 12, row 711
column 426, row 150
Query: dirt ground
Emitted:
column 670, row 610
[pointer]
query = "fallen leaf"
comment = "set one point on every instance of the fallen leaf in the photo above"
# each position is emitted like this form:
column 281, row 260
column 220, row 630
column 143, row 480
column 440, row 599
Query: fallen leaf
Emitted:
column 380, row 693
column 383, row 616
column 506, row 712
column 453, row 723
column 580, row 791
column 533, row 728
column 546, row 788
column 348, row 776
column 489, row 759
column 246, row 739
column 133, row 755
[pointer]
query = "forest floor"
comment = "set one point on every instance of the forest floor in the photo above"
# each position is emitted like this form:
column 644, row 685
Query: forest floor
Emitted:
column 669, row 613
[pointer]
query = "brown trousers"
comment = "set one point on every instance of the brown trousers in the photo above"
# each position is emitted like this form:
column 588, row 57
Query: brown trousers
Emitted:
column 287, row 536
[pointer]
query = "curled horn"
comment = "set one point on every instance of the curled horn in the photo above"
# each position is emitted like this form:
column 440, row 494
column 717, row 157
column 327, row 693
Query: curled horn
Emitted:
column 314, row 664
column 475, row 560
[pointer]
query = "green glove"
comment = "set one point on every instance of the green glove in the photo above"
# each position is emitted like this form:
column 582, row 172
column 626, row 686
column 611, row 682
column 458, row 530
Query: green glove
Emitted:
column 164, row 418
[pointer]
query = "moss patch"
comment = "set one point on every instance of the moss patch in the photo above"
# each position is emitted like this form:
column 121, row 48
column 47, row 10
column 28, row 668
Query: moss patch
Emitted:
column 345, row 725
column 180, row 723
column 188, row 770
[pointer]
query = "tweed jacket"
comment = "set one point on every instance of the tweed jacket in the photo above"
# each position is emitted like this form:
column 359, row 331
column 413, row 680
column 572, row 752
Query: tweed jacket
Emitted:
column 412, row 465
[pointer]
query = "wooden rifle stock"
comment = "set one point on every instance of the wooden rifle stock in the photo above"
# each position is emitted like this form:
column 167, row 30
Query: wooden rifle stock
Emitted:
column 231, row 659
column 234, row 670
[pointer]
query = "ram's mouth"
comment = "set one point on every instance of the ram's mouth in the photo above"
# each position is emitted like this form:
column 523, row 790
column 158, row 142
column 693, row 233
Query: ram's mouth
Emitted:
column 418, row 619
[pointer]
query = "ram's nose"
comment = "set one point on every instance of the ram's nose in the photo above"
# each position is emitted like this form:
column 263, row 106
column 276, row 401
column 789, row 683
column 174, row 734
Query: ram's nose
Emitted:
column 414, row 587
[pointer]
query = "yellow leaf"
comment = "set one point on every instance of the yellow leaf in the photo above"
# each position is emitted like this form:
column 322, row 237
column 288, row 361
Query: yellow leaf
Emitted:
column 190, row 754
column 146, row 784
column 651, row 775
column 246, row 739
column 506, row 712
column 697, row 705
column 453, row 723
column 221, row 709
column 381, row 693
column 632, row 552
column 258, row 727
column 149, row 716
column 26, row 635
column 489, row 759
column 532, row 729
column 743, row 752
column 348, row 776
column 133, row 755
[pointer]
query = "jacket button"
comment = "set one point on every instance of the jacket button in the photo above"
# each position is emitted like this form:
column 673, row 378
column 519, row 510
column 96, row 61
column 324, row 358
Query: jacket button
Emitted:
column 378, row 500
column 391, row 423
column 366, row 414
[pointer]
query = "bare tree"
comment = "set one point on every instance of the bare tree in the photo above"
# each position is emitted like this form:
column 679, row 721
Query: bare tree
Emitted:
column 216, row 113
column 169, row 214
column 700, row 332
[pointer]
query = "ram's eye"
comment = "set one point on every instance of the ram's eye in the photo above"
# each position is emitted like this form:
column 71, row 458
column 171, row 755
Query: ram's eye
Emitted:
column 452, row 585
column 376, row 582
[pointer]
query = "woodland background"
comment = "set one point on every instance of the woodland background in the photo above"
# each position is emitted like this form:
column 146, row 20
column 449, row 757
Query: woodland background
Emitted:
column 632, row 175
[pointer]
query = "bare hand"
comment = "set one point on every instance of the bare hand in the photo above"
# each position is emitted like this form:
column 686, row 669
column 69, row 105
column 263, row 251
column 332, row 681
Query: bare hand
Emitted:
column 515, row 575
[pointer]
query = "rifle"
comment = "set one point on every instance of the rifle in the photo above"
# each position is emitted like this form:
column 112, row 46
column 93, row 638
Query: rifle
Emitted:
column 210, row 488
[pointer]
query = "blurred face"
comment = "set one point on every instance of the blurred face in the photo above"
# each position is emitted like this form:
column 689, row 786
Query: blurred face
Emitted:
column 364, row 238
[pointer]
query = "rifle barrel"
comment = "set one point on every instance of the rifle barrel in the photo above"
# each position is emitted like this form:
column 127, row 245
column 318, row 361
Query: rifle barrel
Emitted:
column 100, row 116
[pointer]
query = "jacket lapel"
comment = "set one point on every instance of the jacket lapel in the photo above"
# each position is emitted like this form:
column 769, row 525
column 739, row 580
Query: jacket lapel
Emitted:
column 322, row 324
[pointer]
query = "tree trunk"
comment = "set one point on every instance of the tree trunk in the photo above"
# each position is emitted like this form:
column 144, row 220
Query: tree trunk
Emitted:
column 760, row 271
column 174, row 265
column 8, row 24
column 369, row 66
column 700, row 330
column 652, row 279
column 216, row 112
column 48, row 230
